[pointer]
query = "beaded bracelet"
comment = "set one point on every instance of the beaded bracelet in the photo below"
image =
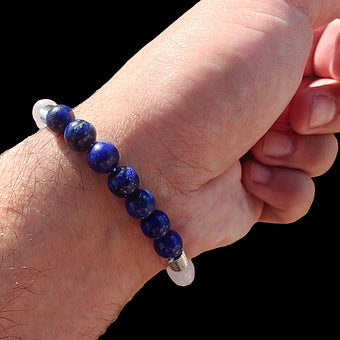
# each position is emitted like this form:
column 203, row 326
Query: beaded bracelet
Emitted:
column 123, row 181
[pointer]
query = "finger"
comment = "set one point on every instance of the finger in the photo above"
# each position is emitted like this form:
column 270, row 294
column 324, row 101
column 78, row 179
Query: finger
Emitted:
column 320, row 12
column 326, row 61
column 317, row 33
column 287, row 193
column 312, row 154
column 316, row 108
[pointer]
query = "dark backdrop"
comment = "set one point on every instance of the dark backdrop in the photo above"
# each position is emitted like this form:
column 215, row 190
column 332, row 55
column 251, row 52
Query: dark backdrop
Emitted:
column 279, row 279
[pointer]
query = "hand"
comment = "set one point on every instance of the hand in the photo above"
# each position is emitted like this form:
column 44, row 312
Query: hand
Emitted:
column 301, row 138
column 182, row 112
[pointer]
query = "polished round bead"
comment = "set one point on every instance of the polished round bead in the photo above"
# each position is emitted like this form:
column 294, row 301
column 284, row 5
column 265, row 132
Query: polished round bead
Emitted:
column 140, row 204
column 103, row 157
column 80, row 135
column 156, row 225
column 58, row 117
column 123, row 181
column 170, row 245
column 184, row 277
column 39, row 111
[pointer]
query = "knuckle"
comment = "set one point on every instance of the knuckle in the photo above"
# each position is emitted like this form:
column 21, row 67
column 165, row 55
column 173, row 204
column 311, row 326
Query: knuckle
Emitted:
column 301, row 199
column 322, row 161
column 295, row 199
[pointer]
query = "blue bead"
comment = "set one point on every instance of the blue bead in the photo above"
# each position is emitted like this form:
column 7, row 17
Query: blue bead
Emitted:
column 170, row 245
column 80, row 135
column 140, row 204
column 58, row 117
column 123, row 181
column 156, row 225
column 103, row 157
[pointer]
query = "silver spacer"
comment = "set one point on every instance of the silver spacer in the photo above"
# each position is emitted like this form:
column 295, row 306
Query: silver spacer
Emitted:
column 179, row 263
column 43, row 112
column 39, row 111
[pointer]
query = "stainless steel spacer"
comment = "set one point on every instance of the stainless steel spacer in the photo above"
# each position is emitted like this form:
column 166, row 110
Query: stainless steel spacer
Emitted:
column 179, row 263
column 43, row 112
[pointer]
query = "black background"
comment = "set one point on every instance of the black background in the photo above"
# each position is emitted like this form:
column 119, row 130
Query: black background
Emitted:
column 278, row 280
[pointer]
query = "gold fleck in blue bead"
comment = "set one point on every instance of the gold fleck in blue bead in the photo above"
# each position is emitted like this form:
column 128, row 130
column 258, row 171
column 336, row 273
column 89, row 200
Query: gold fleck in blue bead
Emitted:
column 140, row 204
column 80, row 135
column 58, row 117
column 156, row 225
column 123, row 181
column 169, row 246
column 103, row 157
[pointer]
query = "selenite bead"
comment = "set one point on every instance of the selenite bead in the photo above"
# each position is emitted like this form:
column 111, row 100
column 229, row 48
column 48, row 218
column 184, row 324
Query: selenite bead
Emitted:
column 140, row 204
column 123, row 181
column 156, row 225
column 170, row 245
column 58, row 117
column 80, row 135
column 39, row 111
column 183, row 278
column 103, row 157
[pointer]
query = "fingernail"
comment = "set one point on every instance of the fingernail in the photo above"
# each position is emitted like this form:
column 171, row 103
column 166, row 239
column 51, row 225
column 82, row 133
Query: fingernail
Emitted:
column 277, row 144
column 259, row 173
column 323, row 111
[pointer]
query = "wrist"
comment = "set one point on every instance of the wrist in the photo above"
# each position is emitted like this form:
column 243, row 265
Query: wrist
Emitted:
column 66, row 238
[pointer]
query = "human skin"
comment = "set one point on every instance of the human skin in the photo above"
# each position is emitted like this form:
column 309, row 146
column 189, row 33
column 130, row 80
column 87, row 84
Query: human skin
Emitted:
column 182, row 112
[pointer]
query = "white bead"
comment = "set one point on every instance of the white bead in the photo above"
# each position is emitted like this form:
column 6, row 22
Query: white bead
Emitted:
column 184, row 277
column 38, row 112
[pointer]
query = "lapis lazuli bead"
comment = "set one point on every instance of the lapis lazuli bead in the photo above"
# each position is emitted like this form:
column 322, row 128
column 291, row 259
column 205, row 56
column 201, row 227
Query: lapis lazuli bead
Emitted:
column 140, row 204
column 80, row 135
column 103, row 157
column 169, row 246
column 123, row 181
column 58, row 117
column 156, row 225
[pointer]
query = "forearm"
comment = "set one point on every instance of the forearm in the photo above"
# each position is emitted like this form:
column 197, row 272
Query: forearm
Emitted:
column 65, row 259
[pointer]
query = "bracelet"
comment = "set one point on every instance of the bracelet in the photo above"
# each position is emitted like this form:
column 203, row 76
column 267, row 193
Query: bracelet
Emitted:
column 123, row 181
